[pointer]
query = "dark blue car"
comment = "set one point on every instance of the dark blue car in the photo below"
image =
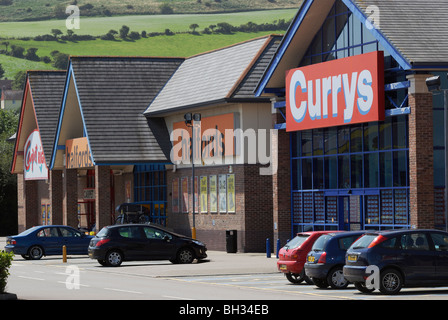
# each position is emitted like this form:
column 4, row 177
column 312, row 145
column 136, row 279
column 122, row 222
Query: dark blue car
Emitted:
column 36, row 242
column 404, row 258
column 326, row 259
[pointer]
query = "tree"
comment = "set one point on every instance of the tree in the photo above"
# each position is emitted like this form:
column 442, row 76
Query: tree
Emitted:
column 6, row 44
column 31, row 54
column 19, row 80
column 60, row 61
column 124, row 32
column 17, row 51
column 56, row 33
column 194, row 26
column 2, row 73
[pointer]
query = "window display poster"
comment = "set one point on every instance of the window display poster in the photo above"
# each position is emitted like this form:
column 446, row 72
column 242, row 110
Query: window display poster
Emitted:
column 176, row 195
column 213, row 194
column 222, row 190
column 196, row 196
column 230, row 193
column 185, row 194
column 204, row 190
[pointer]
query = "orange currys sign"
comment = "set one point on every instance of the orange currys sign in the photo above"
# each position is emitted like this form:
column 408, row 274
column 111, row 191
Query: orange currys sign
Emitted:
column 338, row 92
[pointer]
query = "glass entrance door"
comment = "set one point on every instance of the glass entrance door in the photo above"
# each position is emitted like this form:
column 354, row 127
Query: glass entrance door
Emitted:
column 350, row 212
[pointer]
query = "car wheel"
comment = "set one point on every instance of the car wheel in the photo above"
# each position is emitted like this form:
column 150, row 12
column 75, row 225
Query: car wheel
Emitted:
column 361, row 286
column 114, row 258
column 320, row 283
column 295, row 278
column 391, row 281
column 336, row 279
column 102, row 262
column 185, row 255
column 35, row 252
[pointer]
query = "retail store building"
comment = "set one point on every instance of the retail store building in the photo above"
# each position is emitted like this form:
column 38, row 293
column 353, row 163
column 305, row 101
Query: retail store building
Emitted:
column 365, row 136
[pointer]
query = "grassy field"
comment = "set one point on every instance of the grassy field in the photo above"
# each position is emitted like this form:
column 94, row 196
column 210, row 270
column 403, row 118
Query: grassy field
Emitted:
column 180, row 45
column 155, row 23
column 26, row 10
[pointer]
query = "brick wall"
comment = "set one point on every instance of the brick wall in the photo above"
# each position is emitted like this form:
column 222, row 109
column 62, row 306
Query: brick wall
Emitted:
column 56, row 190
column 252, row 218
column 70, row 198
column 102, row 196
column 421, row 155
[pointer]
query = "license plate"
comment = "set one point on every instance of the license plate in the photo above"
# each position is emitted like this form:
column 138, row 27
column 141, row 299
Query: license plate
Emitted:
column 310, row 259
column 352, row 258
column 283, row 267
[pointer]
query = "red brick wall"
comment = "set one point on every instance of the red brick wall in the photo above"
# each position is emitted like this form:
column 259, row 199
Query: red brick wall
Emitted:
column 421, row 160
column 253, row 216
column 70, row 198
column 102, row 196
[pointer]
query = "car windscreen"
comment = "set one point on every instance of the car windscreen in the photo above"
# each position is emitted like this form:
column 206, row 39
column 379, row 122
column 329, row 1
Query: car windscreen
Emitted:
column 297, row 241
column 103, row 233
column 321, row 242
column 364, row 241
column 28, row 231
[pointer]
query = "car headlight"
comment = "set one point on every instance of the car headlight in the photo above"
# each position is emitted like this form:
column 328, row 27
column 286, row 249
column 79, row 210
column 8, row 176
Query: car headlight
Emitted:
column 199, row 243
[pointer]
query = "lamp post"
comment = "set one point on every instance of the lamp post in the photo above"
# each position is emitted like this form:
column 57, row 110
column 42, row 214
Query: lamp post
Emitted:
column 433, row 84
column 189, row 122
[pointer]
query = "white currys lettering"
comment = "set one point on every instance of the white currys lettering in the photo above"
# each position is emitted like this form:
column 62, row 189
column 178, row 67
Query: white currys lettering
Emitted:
column 313, row 98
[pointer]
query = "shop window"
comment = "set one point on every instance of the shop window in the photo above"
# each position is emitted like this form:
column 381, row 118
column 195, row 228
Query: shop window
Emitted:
column 318, row 142
column 356, row 170
column 330, row 140
column 343, row 172
column 400, row 169
column 385, row 134
column 386, row 169
column 331, row 177
column 297, row 175
column 307, row 142
column 371, row 170
column 307, row 173
column 401, row 206
column 319, row 207
column 372, row 214
column 371, row 136
column 356, row 138
column 399, row 129
column 344, row 139
column 318, row 173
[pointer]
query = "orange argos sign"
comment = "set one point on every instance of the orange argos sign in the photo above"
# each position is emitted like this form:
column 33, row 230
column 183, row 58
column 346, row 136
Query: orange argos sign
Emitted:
column 338, row 92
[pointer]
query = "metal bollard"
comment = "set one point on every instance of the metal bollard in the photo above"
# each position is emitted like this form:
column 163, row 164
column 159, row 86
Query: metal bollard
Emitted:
column 268, row 248
column 278, row 247
column 64, row 254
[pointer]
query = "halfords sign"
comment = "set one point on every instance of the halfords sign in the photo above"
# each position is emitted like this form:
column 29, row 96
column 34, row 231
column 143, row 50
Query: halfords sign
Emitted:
column 77, row 154
column 338, row 92
column 35, row 167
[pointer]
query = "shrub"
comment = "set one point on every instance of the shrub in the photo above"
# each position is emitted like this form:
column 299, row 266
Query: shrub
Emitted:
column 5, row 262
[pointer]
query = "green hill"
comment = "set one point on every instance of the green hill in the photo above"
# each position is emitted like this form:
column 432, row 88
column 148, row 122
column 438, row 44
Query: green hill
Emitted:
column 28, row 10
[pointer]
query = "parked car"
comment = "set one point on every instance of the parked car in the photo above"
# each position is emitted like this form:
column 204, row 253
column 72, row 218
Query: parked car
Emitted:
column 405, row 258
column 39, row 241
column 292, row 256
column 131, row 242
column 326, row 259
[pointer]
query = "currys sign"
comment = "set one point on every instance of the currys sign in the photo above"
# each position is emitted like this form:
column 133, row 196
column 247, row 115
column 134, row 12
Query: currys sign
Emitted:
column 338, row 92
column 35, row 167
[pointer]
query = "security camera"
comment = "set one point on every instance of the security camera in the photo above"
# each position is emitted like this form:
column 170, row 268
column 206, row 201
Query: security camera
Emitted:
column 433, row 83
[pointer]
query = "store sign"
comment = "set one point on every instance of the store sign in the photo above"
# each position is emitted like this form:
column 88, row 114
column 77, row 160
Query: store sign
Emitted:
column 338, row 92
column 35, row 167
column 214, row 136
column 77, row 154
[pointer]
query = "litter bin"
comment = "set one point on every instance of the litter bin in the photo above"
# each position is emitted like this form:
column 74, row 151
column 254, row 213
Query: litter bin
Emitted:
column 231, row 243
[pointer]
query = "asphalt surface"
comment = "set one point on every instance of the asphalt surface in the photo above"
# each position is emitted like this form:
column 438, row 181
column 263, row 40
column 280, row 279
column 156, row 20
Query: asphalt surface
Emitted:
column 216, row 263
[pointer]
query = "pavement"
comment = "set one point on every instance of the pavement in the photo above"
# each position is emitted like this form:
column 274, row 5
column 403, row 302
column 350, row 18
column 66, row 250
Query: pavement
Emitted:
column 217, row 263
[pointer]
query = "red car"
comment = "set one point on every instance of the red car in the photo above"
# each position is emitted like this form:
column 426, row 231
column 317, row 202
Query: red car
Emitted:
column 292, row 256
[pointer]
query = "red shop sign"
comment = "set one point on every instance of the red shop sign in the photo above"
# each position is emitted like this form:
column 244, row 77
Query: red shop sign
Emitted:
column 338, row 92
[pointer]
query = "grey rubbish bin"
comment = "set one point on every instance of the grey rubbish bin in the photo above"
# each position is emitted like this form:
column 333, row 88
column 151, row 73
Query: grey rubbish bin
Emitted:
column 231, row 243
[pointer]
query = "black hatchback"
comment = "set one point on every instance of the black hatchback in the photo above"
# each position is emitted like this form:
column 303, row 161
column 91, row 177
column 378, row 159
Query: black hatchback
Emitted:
column 326, row 259
column 401, row 258
column 133, row 242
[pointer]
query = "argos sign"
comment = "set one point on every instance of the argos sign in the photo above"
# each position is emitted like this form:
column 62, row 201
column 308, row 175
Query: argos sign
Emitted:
column 338, row 92
column 35, row 167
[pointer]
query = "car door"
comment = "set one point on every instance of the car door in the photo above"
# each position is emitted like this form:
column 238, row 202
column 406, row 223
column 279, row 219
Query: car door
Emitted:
column 159, row 243
column 49, row 238
column 417, row 257
column 74, row 240
column 132, row 242
column 440, row 241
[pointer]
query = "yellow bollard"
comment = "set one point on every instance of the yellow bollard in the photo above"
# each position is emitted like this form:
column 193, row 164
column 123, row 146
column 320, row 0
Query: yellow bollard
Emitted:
column 193, row 233
column 64, row 254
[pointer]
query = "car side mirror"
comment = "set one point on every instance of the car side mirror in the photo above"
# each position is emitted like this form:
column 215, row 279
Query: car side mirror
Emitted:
column 166, row 238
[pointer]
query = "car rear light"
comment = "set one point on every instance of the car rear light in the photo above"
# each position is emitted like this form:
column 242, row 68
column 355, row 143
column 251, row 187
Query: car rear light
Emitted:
column 101, row 242
column 12, row 241
column 377, row 241
column 322, row 258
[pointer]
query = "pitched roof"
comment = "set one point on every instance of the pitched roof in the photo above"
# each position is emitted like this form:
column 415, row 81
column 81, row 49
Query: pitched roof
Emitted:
column 216, row 76
column 413, row 32
column 113, row 93
column 47, row 88
column 416, row 28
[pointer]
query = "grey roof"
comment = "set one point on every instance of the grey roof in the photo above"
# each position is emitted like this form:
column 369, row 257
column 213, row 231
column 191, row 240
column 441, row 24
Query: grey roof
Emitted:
column 417, row 28
column 47, row 88
column 215, row 76
column 13, row 94
column 114, row 92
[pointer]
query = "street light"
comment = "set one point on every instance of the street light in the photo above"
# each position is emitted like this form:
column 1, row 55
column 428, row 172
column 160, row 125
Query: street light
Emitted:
column 189, row 122
column 434, row 84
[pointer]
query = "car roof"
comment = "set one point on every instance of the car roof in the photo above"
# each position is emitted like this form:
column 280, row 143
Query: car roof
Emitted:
column 347, row 233
column 404, row 231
